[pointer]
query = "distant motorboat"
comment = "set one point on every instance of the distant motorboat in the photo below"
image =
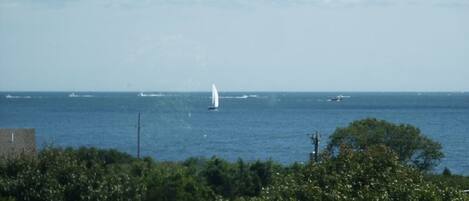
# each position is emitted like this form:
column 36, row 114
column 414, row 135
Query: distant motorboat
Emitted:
column 338, row 98
column 73, row 95
column 215, row 101
column 335, row 99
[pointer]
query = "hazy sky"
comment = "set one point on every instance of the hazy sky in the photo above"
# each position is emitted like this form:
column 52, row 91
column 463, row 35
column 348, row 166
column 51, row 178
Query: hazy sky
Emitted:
column 278, row 45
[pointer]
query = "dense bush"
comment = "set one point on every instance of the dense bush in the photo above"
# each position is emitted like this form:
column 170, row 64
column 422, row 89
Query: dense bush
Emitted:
column 372, row 174
column 366, row 161
column 58, row 174
column 410, row 145
column 447, row 179
column 91, row 174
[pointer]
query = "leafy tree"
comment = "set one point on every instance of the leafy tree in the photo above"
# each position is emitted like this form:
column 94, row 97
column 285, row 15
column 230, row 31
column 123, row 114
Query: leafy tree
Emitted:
column 444, row 180
column 219, row 176
column 171, row 182
column 407, row 141
column 58, row 174
column 372, row 174
column 240, row 179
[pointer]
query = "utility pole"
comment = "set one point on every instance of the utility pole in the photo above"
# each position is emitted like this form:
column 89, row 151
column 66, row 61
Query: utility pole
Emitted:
column 315, row 141
column 138, row 137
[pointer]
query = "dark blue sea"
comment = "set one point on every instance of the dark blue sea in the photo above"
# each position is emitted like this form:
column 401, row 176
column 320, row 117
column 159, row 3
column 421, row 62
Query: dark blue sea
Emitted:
column 248, row 125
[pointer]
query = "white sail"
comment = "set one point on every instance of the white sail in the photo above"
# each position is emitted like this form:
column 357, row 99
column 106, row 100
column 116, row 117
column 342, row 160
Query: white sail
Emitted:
column 214, row 96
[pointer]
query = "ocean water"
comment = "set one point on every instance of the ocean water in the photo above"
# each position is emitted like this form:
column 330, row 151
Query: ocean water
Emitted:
column 254, row 125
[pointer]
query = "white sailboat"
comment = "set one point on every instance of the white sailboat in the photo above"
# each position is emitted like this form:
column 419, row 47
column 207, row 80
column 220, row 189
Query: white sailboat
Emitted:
column 215, row 103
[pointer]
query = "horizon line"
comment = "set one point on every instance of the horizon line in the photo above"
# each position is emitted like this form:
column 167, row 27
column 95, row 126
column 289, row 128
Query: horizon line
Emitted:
column 234, row 91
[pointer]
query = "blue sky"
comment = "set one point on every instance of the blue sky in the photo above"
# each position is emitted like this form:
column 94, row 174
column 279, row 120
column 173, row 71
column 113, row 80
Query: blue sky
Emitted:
column 241, row 45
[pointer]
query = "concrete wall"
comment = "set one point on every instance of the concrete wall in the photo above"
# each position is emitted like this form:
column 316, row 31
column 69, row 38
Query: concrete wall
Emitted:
column 16, row 141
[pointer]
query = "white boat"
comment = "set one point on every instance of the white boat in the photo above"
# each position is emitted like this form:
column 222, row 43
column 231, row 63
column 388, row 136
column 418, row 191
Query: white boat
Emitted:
column 215, row 102
column 335, row 99
column 73, row 95
column 338, row 98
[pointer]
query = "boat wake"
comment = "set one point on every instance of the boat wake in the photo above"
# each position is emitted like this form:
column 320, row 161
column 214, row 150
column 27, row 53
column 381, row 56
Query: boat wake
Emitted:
column 150, row 95
column 74, row 95
column 240, row 97
column 10, row 96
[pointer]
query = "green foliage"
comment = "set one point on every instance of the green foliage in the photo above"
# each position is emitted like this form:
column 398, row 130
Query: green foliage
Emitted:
column 91, row 174
column 445, row 179
column 406, row 140
column 58, row 174
column 7, row 198
column 235, row 180
column 372, row 174
column 102, row 156
column 175, row 182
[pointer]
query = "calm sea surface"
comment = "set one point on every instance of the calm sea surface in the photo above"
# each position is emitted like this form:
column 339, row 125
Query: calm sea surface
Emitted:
column 254, row 125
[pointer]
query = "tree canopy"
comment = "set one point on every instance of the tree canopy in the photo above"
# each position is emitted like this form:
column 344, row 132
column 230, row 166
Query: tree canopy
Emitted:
column 407, row 141
column 371, row 174
column 368, row 162
column 91, row 174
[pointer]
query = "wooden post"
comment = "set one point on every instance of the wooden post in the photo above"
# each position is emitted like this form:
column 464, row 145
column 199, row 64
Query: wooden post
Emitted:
column 138, row 137
column 316, row 147
column 315, row 141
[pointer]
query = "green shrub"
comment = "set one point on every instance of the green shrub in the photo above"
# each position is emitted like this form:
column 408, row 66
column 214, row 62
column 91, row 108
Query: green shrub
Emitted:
column 375, row 173
column 410, row 145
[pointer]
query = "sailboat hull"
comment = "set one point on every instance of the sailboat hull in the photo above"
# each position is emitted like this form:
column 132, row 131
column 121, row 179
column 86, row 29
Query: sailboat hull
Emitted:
column 212, row 108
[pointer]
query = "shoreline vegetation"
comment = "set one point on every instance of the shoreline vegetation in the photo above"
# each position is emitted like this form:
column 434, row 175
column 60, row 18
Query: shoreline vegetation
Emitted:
column 368, row 160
